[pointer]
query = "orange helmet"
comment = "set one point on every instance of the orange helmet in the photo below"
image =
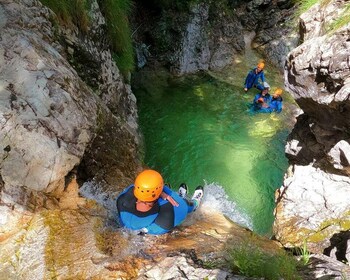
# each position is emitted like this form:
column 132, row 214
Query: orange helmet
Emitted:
column 278, row 91
column 261, row 65
column 148, row 185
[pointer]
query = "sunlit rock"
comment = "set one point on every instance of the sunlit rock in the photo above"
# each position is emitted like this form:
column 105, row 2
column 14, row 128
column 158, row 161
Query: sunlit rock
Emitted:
column 53, row 115
column 313, row 204
column 312, row 23
column 311, row 208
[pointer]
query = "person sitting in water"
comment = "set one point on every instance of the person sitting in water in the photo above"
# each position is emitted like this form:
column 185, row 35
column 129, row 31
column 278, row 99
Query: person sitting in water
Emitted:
column 262, row 100
column 276, row 101
column 253, row 77
column 151, row 207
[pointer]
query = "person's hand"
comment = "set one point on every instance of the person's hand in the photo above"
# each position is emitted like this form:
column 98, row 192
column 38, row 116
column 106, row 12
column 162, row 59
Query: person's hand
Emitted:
column 169, row 198
column 245, row 89
column 265, row 105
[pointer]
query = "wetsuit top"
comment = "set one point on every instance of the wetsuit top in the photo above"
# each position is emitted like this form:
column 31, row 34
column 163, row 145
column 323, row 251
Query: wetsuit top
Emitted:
column 258, row 106
column 276, row 104
column 161, row 218
column 253, row 78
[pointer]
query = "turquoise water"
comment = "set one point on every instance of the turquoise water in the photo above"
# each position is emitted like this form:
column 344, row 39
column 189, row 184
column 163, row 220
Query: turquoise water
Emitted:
column 198, row 130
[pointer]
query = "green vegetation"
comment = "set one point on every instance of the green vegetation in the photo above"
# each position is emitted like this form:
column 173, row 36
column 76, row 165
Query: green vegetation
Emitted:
column 116, row 13
column 75, row 12
column 304, row 5
column 341, row 21
column 304, row 253
column 249, row 260
column 70, row 12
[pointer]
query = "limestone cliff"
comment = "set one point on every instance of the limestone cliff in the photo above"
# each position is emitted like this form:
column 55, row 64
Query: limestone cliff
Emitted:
column 209, row 35
column 313, row 202
column 56, row 117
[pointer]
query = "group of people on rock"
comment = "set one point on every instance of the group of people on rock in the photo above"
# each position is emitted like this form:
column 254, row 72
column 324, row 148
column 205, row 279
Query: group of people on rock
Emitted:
column 263, row 102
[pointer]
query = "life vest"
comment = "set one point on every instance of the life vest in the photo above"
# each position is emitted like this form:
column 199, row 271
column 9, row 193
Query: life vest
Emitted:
column 161, row 218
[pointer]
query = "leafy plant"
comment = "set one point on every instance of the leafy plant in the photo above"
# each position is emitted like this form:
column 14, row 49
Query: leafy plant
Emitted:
column 70, row 12
column 343, row 19
column 250, row 261
column 116, row 13
column 304, row 253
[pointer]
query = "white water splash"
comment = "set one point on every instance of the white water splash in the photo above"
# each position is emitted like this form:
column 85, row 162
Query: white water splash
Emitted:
column 215, row 198
column 94, row 191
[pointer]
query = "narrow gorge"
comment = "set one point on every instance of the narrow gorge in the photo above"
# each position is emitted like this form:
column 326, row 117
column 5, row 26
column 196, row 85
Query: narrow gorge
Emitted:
column 71, row 137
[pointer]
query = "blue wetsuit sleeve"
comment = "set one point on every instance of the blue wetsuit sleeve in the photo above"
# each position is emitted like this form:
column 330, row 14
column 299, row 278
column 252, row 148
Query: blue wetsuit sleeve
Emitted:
column 167, row 190
column 279, row 107
column 248, row 80
column 268, row 99
column 262, row 76
column 256, row 98
column 155, row 229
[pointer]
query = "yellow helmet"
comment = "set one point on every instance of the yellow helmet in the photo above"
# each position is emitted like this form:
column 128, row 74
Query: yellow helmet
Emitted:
column 261, row 65
column 278, row 91
column 148, row 185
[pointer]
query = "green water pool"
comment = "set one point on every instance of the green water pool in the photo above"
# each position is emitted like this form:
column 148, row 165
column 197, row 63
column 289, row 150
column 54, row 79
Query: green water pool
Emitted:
column 198, row 130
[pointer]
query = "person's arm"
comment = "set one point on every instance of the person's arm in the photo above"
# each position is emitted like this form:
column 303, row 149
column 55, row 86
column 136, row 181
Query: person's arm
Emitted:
column 279, row 107
column 166, row 195
column 262, row 77
column 256, row 98
column 247, row 79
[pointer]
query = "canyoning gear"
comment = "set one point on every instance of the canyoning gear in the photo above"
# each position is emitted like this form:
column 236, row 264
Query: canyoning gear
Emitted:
column 253, row 79
column 278, row 91
column 183, row 189
column 261, row 102
column 261, row 65
column 266, row 86
column 148, row 185
column 276, row 104
column 160, row 218
column 198, row 195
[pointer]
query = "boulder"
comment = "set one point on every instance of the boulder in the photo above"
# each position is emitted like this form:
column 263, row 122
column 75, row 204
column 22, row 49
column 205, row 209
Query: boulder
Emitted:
column 312, row 205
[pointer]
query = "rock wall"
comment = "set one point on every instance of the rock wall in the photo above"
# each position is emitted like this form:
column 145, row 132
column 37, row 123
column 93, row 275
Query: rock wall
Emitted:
column 54, row 117
column 210, row 35
column 313, row 203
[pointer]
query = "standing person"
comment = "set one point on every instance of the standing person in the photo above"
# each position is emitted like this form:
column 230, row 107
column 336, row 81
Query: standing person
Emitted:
column 262, row 100
column 152, row 207
column 253, row 77
column 276, row 101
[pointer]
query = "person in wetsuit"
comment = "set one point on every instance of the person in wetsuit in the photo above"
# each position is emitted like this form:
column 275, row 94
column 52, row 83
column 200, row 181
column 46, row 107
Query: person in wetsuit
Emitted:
column 254, row 77
column 151, row 207
column 262, row 100
column 276, row 103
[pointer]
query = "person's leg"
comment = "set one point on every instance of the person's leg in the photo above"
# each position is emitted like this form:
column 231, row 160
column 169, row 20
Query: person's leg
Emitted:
column 183, row 189
column 197, row 197
column 259, row 86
